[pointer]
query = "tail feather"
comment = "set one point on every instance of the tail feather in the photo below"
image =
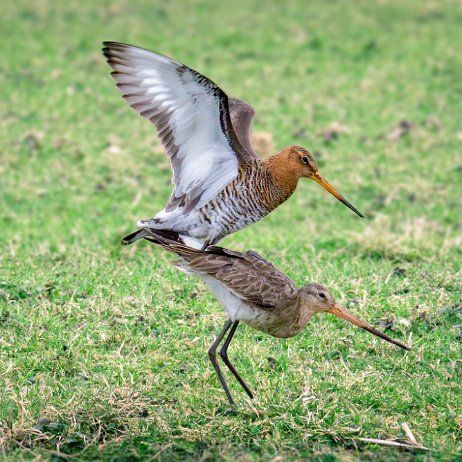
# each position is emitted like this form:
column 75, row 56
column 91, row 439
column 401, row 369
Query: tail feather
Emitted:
column 136, row 235
column 173, row 236
column 180, row 245
column 172, row 242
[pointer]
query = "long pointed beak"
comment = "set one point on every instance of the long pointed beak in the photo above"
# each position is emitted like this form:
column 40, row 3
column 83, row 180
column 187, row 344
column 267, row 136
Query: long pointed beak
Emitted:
column 319, row 179
column 342, row 313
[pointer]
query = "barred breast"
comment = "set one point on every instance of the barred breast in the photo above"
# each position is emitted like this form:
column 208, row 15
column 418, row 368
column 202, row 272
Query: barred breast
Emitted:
column 247, row 199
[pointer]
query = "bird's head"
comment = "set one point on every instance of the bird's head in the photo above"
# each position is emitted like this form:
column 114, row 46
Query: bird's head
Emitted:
column 317, row 298
column 302, row 165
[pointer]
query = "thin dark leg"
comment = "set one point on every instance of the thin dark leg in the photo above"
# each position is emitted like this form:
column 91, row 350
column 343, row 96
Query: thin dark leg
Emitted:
column 206, row 244
column 224, row 356
column 213, row 358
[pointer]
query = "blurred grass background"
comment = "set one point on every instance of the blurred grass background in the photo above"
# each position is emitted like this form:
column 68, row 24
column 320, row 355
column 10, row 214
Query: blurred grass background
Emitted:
column 103, row 348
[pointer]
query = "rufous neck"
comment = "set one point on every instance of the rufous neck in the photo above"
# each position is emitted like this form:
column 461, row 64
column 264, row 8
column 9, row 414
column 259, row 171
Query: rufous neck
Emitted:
column 282, row 174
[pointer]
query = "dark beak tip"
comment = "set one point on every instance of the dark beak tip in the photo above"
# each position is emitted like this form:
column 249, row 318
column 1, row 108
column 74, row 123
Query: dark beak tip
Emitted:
column 355, row 210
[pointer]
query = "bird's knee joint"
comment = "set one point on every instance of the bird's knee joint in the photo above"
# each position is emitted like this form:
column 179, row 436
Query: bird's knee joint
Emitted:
column 224, row 353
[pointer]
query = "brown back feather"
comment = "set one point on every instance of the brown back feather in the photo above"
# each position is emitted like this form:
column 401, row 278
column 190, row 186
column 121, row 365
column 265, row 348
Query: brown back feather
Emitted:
column 247, row 275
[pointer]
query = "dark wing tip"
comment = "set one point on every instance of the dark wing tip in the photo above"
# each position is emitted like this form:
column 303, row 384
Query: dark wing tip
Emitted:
column 114, row 45
column 110, row 47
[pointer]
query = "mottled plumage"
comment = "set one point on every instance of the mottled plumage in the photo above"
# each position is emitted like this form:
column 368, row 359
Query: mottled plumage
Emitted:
column 254, row 291
column 219, row 183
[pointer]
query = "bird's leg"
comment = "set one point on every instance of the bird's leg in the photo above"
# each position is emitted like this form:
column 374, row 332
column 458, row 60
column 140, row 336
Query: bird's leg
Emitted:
column 206, row 244
column 213, row 358
column 224, row 356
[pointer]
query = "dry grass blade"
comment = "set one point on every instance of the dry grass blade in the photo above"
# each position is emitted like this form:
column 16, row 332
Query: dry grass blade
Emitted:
column 408, row 432
column 393, row 443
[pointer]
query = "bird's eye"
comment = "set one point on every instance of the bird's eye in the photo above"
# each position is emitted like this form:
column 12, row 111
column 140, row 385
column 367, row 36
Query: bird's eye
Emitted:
column 305, row 160
column 322, row 295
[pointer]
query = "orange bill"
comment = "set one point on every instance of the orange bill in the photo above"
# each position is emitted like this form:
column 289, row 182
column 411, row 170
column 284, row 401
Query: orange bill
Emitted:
column 319, row 179
column 342, row 313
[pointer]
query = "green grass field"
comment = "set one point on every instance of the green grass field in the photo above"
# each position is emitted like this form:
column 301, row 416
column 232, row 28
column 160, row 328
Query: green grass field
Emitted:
column 103, row 348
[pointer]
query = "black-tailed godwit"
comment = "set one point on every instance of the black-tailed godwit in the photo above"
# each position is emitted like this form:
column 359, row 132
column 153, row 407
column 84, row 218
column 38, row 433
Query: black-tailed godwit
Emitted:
column 219, row 183
column 254, row 291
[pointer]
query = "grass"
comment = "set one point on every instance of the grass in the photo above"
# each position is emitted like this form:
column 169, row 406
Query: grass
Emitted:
column 103, row 348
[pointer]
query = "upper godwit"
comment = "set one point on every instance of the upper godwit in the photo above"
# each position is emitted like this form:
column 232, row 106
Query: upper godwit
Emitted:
column 255, row 292
column 219, row 183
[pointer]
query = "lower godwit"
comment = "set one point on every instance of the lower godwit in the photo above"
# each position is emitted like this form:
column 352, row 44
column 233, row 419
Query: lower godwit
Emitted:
column 255, row 292
column 219, row 183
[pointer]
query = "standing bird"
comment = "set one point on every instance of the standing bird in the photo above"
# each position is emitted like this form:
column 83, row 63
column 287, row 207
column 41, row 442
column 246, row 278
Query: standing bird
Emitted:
column 255, row 292
column 219, row 183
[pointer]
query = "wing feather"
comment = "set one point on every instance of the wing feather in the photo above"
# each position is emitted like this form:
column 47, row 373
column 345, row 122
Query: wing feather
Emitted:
column 248, row 276
column 191, row 116
column 242, row 115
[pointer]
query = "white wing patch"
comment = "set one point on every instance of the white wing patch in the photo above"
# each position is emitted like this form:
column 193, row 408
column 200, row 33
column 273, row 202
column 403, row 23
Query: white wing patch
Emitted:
column 192, row 120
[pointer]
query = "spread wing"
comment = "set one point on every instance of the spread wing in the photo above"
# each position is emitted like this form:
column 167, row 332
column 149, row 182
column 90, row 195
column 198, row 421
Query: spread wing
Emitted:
column 242, row 115
column 191, row 116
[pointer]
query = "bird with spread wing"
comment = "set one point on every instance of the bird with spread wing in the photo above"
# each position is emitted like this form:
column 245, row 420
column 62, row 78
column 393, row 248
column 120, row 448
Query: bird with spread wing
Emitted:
column 220, row 185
